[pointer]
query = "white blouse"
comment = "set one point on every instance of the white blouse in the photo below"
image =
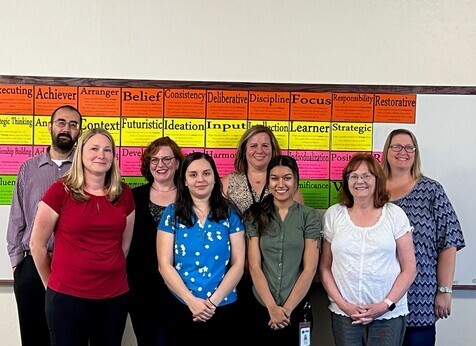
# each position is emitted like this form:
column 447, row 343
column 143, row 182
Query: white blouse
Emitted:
column 364, row 259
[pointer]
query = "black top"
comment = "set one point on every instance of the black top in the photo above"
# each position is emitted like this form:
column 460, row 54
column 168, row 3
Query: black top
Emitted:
column 145, row 282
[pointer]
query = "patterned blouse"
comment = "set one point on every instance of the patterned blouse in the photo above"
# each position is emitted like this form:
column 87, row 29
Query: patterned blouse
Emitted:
column 436, row 227
column 239, row 192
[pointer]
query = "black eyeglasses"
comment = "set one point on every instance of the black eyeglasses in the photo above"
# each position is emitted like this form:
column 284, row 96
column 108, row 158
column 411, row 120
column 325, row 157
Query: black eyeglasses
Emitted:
column 165, row 160
column 398, row 147
column 74, row 125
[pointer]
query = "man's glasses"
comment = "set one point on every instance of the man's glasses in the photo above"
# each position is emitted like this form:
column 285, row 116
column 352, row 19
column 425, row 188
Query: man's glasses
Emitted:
column 74, row 125
column 353, row 177
column 398, row 147
column 165, row 160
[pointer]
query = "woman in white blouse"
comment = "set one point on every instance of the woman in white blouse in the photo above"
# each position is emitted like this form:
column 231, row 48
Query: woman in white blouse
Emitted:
column 367, row 262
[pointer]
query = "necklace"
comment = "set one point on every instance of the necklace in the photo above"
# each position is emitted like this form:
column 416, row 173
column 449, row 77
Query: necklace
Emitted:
column 256, row 180
column 172, row 189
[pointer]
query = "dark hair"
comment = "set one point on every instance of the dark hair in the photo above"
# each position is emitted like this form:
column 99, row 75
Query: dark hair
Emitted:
column 261, row 214
column 66, row 107
column 152, row 149
column 241, row 164
column 380, row 196
column 219, row 204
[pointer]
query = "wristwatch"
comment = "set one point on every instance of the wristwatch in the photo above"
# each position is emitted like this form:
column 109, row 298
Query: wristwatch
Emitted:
column 444, row 289
column 390, row 304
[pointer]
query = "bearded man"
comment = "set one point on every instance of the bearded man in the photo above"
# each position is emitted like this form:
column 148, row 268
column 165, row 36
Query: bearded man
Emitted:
column 34, row 178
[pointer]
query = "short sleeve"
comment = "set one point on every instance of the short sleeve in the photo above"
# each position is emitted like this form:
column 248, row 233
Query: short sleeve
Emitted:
column 236, row 225
column 448, row 228
column 56, row 195
column 312, row 225
column 328, row 224
column 251, row 230
column 167, row 221
column 128, row 200
column 400, row 221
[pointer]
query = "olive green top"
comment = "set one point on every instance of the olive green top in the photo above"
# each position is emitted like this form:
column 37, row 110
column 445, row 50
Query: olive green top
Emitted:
column 282, row 248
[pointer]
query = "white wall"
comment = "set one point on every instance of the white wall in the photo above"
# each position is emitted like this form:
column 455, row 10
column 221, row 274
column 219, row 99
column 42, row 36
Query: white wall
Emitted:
column 428, row 42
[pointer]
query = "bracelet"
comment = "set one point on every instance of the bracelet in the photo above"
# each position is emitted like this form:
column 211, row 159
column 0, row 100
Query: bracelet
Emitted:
column 211, row 302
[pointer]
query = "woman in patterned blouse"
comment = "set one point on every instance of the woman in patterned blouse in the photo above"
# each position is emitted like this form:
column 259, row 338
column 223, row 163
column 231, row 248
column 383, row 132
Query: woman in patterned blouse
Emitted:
column 437, row 235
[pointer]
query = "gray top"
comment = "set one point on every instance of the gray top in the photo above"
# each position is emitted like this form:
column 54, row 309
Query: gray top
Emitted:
column 34, row 178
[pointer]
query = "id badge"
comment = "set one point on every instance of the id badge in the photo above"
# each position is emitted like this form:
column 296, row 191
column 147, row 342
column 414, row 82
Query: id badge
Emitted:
column 305, row 334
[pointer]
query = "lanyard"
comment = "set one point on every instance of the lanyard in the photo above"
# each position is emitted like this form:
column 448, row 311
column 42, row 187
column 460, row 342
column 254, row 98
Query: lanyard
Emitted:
column 251, row 190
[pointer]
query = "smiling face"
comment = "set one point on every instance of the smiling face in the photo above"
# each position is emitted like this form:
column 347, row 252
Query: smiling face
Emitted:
column 401, row 159
column 97, row 155
column 282, row 184
column 361, row 182
column 200, row 179
column 259, row 150
column 163, row 172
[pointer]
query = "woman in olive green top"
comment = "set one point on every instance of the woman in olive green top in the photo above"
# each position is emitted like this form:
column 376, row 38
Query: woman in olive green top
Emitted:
column 283, row 255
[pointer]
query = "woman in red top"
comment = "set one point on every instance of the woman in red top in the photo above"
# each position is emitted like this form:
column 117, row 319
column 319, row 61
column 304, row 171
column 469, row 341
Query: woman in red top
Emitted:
column 91, row 212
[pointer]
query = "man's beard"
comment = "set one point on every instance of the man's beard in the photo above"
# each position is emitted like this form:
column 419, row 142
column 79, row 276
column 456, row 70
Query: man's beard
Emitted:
column 63, row 142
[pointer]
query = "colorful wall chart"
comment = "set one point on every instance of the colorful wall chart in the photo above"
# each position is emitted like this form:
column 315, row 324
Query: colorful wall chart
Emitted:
column 321, row 130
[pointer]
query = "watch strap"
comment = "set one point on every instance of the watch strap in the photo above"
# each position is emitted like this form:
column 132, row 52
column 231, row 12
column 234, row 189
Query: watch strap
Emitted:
column 445, row 289
column 390, row 304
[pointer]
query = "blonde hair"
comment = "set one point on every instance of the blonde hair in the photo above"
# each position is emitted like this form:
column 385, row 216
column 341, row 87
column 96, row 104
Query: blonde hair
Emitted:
column 416, row 167
column 74, row 178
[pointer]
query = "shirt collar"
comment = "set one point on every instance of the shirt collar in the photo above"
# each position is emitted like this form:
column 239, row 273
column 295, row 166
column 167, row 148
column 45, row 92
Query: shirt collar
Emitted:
column 46, row 158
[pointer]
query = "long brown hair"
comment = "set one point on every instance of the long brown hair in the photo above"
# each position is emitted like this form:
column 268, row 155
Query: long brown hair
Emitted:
column 241, row 164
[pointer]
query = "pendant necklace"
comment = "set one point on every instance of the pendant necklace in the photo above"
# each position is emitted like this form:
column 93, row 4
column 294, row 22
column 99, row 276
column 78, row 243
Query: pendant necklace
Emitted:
column 156, row 189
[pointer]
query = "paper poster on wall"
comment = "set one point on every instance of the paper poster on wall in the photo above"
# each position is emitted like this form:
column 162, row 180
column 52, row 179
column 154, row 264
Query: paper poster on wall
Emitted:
column 320, row 130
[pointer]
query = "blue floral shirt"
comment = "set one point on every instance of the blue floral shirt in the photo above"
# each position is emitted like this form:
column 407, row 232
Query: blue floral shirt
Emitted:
column 202, row 252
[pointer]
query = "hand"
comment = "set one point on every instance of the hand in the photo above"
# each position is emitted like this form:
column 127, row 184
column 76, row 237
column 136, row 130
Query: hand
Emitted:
column 279, row 318
column 201, row 311
column 442, row 305
column 351, row 309
column 369, row 312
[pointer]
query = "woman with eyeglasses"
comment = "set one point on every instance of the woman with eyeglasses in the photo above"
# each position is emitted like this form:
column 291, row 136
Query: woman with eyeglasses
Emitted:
column 160, row 164
column 367, row 262
column 437, row 235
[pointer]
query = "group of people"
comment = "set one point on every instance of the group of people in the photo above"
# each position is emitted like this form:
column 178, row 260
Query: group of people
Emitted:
column 192, row 256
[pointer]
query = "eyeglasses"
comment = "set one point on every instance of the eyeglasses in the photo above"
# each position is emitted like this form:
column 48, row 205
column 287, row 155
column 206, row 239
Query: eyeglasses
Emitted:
column 398, row 147
column 74, row 125
column 165, row 160
column 354, row 176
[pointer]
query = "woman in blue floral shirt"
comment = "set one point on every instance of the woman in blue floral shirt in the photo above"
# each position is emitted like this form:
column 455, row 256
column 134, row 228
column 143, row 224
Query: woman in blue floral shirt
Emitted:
column 201, row 255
